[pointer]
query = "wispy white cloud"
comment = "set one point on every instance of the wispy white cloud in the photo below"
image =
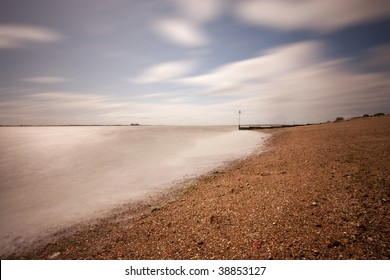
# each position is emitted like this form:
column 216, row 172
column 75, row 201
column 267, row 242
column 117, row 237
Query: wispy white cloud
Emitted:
column 317, row 93
column 152, row 95
column 82, row 108
column 186, row 27
column 72, row 100
column 316, row 15
column 68, row 103
column 58, row 108
column 17, row 35
column 172, row 113
column 46, row 79
column 200, row 10
column 182, row 32
column 266, row 66
column 165, row 71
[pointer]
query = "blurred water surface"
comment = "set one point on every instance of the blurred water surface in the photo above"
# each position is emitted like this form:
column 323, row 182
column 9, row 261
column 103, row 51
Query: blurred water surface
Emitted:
column 52, row 177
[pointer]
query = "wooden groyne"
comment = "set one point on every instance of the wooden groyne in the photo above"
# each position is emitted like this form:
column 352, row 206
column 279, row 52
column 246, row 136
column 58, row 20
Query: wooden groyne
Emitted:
column 268, row 126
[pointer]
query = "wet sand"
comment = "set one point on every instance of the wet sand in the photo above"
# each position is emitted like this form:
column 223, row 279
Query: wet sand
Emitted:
column 318, row 192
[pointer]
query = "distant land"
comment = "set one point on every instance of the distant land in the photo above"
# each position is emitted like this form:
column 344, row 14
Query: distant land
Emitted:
column 56, row 125
column 241, row 126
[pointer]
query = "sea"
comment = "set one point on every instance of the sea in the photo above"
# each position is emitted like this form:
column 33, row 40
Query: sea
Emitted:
column 56, row 176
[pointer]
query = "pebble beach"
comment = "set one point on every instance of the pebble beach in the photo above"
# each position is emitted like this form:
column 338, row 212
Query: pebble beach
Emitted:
column 317, row 192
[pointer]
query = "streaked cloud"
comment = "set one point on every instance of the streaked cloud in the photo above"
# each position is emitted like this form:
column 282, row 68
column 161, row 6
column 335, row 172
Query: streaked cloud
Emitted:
column 18, row 35
column 193, row 61
column 73, row 101
column 182, row 32
column 152, row 96
column 46, row 80
column 294, row 82
column 165, row 71
column 315, row 93
column 289, row 83
column 270, row 64
column 379, row 57
column 58, row 107
column 315, row 15
column 186, row 28
column 200, row 10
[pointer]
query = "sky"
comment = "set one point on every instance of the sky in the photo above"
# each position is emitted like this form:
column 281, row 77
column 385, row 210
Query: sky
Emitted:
column 192, row 62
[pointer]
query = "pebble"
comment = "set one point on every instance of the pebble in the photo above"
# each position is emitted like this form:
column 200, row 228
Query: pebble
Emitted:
column 55, row 255
column 334, row 243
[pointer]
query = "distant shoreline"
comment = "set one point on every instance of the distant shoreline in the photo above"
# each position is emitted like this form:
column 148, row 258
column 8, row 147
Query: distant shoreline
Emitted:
column 59, row 125
column 240, row 126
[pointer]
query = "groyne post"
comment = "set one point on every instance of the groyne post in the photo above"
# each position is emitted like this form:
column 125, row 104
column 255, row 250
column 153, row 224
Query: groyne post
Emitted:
column 239, row 119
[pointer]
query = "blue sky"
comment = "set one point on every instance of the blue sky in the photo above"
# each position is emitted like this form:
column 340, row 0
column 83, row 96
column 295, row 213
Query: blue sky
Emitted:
column 192, row 61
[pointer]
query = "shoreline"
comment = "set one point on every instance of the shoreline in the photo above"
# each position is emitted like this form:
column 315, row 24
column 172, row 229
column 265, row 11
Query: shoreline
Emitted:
column 132, row 209
column 317, row 192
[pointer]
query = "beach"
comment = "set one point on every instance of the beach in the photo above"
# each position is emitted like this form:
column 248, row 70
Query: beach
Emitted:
column 317, row 192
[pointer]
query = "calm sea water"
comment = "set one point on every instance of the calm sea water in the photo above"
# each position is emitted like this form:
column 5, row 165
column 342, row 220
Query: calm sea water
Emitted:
column 53, row 177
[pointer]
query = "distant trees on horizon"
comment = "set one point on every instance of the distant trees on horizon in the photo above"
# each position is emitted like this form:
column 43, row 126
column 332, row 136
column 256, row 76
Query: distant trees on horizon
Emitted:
column 340, row 119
